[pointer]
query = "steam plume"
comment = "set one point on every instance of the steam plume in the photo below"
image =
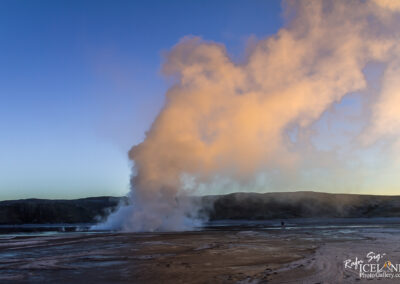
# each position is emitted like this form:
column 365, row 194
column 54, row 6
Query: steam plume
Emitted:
column 223, row 119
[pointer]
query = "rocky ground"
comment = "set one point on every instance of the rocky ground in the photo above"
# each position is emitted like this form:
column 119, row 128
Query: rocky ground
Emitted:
column 236, row 254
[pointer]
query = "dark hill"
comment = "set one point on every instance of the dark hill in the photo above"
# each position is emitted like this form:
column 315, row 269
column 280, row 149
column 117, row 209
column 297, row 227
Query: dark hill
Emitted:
column 302, row 204
column 45, row 211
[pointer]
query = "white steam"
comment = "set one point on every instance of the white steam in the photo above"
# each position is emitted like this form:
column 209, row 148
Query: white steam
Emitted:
column 223, row 119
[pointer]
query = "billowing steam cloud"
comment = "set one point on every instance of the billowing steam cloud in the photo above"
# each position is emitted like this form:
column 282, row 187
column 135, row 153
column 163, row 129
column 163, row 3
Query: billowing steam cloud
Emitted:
column 223, row 119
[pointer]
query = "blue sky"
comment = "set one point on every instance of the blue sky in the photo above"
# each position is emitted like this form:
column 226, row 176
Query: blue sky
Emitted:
column 80, row 84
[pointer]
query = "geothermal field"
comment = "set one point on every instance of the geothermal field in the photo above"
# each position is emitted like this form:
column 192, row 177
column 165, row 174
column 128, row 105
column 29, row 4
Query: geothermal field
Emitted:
column 320, row 238
column 304, row 251
column 213, row 141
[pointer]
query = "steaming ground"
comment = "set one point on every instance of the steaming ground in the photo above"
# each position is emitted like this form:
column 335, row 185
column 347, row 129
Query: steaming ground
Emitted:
column 272, row 205
column 233, row 252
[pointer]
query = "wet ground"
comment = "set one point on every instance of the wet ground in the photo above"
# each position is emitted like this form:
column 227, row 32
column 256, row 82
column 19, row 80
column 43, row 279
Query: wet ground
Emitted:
column 303, row 251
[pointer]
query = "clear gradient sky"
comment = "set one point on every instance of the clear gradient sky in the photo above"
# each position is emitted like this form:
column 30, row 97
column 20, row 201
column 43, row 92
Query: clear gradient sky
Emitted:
column 80, row 84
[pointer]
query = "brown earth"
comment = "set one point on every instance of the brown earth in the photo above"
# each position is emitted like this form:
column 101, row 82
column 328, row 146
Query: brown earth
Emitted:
column 309, row 255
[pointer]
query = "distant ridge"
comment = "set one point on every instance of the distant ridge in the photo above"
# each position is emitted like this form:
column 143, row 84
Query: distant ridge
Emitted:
column 49, row 211
column 301, row 204
column 241, row 205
